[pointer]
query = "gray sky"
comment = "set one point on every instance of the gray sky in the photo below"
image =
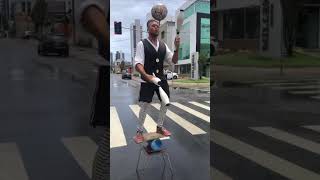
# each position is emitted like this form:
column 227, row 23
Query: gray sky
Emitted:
column 128, row 10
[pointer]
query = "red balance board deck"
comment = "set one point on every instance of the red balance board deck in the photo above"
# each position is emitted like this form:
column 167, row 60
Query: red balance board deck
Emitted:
column 149, row 137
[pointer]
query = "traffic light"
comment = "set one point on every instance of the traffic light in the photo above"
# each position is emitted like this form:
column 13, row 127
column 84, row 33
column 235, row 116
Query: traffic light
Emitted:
column 117, row 28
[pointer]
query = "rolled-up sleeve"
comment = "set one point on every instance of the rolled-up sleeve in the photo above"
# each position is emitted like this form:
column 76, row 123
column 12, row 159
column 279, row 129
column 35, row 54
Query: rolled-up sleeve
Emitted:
column 139, row 58
column 169, row 55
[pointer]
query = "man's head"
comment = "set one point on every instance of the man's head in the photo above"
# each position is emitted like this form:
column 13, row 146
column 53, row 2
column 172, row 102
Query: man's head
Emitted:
column 153, row 27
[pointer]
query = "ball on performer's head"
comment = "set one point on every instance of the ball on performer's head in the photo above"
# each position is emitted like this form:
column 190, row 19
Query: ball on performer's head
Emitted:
column 159, row 11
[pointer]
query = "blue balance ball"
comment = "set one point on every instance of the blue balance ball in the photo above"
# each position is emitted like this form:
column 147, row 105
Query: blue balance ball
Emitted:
column 156, row 145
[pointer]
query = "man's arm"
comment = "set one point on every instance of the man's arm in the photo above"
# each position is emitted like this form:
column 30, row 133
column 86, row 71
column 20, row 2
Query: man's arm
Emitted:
column 140, row 69
column 176, row 51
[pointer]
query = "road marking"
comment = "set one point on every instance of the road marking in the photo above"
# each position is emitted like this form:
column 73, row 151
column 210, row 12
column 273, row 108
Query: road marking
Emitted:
column 83, row 150
column 11, row 164
column 314, row 128
column 149, row 124
column 200, row 105
column 305, row 92
column 117, row 137
column 207, row 102
column 218, row 175
column 265, row 159
column 194, row 130
column 191, row 111
column 289, row 138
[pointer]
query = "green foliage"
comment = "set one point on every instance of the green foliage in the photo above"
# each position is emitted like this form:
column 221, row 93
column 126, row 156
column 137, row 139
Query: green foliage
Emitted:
column 39, row 13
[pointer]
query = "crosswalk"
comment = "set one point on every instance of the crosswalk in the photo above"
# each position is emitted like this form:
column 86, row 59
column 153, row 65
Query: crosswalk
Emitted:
column 83, row 148
column 265, row 158
column 308, row 88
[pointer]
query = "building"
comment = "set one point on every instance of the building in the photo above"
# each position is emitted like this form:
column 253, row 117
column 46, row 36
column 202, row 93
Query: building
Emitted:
column 258, row 25
column 118, row 55
column 167, row 34
column 135, row 37
column 122, row 56
column 195, row 36
column 111, row 58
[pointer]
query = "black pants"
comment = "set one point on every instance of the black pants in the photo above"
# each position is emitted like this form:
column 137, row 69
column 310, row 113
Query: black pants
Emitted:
column 147, row 91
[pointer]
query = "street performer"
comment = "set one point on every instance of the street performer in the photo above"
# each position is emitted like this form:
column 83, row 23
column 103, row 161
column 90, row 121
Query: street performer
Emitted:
column 149, row 61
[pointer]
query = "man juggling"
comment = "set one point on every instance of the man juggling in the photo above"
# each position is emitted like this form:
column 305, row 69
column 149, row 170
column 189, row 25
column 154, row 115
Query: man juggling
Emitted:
column 149, row 61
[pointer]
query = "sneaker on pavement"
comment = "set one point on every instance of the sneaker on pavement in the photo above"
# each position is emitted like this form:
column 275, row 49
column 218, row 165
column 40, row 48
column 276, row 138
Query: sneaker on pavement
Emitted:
column 138, row 138
column 163, row 131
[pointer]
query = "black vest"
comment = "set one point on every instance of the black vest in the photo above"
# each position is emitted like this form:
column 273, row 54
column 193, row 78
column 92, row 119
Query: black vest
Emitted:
column 153, row 60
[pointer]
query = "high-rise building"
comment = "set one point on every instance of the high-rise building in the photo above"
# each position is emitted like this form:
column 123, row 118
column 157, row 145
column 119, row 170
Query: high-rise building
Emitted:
column 118, row 55
column 111, row 58
column 135, row 37
column 122, row 56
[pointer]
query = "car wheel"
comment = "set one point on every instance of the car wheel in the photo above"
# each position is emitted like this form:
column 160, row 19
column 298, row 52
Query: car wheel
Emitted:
column 175, row 77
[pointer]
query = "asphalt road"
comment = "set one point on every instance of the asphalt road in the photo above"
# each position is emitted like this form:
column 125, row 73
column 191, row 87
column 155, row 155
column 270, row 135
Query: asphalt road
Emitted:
column 265, row 132
column 44, row 131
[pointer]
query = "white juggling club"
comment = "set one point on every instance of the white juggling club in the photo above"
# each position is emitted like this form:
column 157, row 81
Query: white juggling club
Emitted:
column 163, row 95
column 180, row 21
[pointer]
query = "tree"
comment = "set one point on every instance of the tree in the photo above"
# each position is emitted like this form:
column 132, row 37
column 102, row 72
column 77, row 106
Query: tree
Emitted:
column 202, row 62
column 122, row 66
column 39, row 14
column 290, row 12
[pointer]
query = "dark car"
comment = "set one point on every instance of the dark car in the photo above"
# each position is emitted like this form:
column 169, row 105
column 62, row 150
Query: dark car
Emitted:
column 126, row 75
column 53, row 43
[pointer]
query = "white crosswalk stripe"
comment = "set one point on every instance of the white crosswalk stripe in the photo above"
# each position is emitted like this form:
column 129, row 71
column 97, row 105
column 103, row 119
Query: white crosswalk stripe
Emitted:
column 314, row 128
column 192, row 129
column 218, row 175
column 149, row 124
column 117, row 137
column 289, row 138
column 305, row 92
column 296, row 87
column 11, row 164
column 83, row 150
column 191, row 111
column 316, row 97
column 263, row 158
column 200, row 105
column 207, row 102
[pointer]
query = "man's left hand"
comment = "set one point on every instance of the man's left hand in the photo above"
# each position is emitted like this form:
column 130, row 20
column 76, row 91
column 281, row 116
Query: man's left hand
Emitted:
column 177, row 42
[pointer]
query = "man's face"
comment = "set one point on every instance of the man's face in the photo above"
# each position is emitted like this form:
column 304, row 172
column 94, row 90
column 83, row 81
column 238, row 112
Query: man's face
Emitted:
column 153, row 28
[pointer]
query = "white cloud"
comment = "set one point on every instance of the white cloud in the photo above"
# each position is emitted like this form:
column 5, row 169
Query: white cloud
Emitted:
column 128, row 10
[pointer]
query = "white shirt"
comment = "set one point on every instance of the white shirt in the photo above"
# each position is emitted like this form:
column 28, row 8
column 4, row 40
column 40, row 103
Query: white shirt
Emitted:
column 139, row 58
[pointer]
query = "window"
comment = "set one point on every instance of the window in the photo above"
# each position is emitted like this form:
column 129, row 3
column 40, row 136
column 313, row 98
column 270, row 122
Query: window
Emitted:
column 23, row 6
column 162, row 34
column 233, row 24
column 252, row 23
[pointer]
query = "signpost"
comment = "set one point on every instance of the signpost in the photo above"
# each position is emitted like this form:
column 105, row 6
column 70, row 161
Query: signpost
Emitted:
column 194, row 66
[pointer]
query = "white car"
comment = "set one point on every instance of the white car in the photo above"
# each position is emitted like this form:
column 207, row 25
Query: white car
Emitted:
column 171, row 75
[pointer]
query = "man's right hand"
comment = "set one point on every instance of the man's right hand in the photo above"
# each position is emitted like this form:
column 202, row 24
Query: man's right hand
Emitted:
column 153, row 79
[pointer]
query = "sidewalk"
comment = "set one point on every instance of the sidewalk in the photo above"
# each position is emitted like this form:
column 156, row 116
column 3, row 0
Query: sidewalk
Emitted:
column 245, row 74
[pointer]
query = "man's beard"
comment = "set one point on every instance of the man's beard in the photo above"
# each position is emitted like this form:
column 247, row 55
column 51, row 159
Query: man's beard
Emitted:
column 154, row 34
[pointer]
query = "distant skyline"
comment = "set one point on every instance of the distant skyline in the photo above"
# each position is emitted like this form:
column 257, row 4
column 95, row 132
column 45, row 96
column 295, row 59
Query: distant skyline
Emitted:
column 126, row 12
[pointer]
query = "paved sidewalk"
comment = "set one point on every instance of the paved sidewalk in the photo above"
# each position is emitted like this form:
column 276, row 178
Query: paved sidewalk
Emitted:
column 244, row 74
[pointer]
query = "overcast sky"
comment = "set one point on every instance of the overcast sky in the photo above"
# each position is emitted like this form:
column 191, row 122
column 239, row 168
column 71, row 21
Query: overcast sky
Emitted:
column 127, row 11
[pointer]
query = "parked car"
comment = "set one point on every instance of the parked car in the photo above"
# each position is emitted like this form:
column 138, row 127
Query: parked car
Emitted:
column 3, row 34
column 53, row 43
column 28, row 34
column 126, row 75
column 171, row 75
